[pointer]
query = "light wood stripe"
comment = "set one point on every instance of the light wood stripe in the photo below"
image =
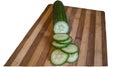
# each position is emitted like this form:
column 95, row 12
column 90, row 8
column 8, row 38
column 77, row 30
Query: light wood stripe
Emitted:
column 84, row 42
column 28, row 43
column 98, row 41
column 71, row 18
column 75, row 24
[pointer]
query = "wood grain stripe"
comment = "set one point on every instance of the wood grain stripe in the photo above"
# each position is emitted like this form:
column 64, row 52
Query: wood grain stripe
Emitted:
column 45, row 52
column 84, row 42
column 46, row 42
column 75, row 24
column 70, row 20
column 104, row 43
column 29, row 41
column 13, row 56
column 91, row 42
column 35, row 44
column 80, row 28
column 98, row 41
column 47, row 62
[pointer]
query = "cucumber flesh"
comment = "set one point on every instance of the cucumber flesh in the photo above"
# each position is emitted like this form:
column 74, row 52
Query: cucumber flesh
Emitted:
column 70, row 48
column 58, row 57
column 61, row 27
column 60, row 37
column 73, row 57
column 58, row 45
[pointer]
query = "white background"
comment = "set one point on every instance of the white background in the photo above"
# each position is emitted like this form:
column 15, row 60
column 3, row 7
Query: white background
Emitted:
column 18, row 16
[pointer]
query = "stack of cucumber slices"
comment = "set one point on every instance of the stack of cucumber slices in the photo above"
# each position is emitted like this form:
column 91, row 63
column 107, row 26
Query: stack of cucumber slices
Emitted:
column 65, row 51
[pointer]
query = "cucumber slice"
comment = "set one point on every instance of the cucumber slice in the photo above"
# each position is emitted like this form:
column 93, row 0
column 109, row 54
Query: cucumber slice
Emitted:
column 73, row 57
column 58, row 45
column 60, row 37
column 69, row 40
column 58, row 57
column 61, row 27
column 70, row 48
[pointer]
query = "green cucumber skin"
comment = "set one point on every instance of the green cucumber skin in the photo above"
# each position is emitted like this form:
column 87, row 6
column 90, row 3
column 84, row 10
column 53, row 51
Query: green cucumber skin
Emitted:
column 62, row 42
column 68, row 52
column 59, row 41
column 59, row 47
column 59, row 14
column 61, row 63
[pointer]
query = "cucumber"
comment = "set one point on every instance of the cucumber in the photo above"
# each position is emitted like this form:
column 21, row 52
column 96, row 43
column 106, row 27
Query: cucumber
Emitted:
column 59, row 18
column 60, row 37
column 70, row 48
column 58, row 57
column 65, row 50
column 73, row 57
column 69, row 40
column 58, row 45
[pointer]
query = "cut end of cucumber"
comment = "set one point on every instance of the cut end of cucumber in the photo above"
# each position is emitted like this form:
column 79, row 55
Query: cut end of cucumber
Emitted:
column 61, row 27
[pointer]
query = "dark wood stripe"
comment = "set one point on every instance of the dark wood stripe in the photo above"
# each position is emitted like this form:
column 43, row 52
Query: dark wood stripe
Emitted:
column 80, row 28
column 104, row 43
column 31, row 50
column 71, row 18
column 78, row 37
column 91, row 42
column 13, row 56
column 66, row 8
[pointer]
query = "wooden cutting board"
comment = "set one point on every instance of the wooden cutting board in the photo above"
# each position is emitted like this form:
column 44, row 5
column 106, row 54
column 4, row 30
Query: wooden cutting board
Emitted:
column 87, row 28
